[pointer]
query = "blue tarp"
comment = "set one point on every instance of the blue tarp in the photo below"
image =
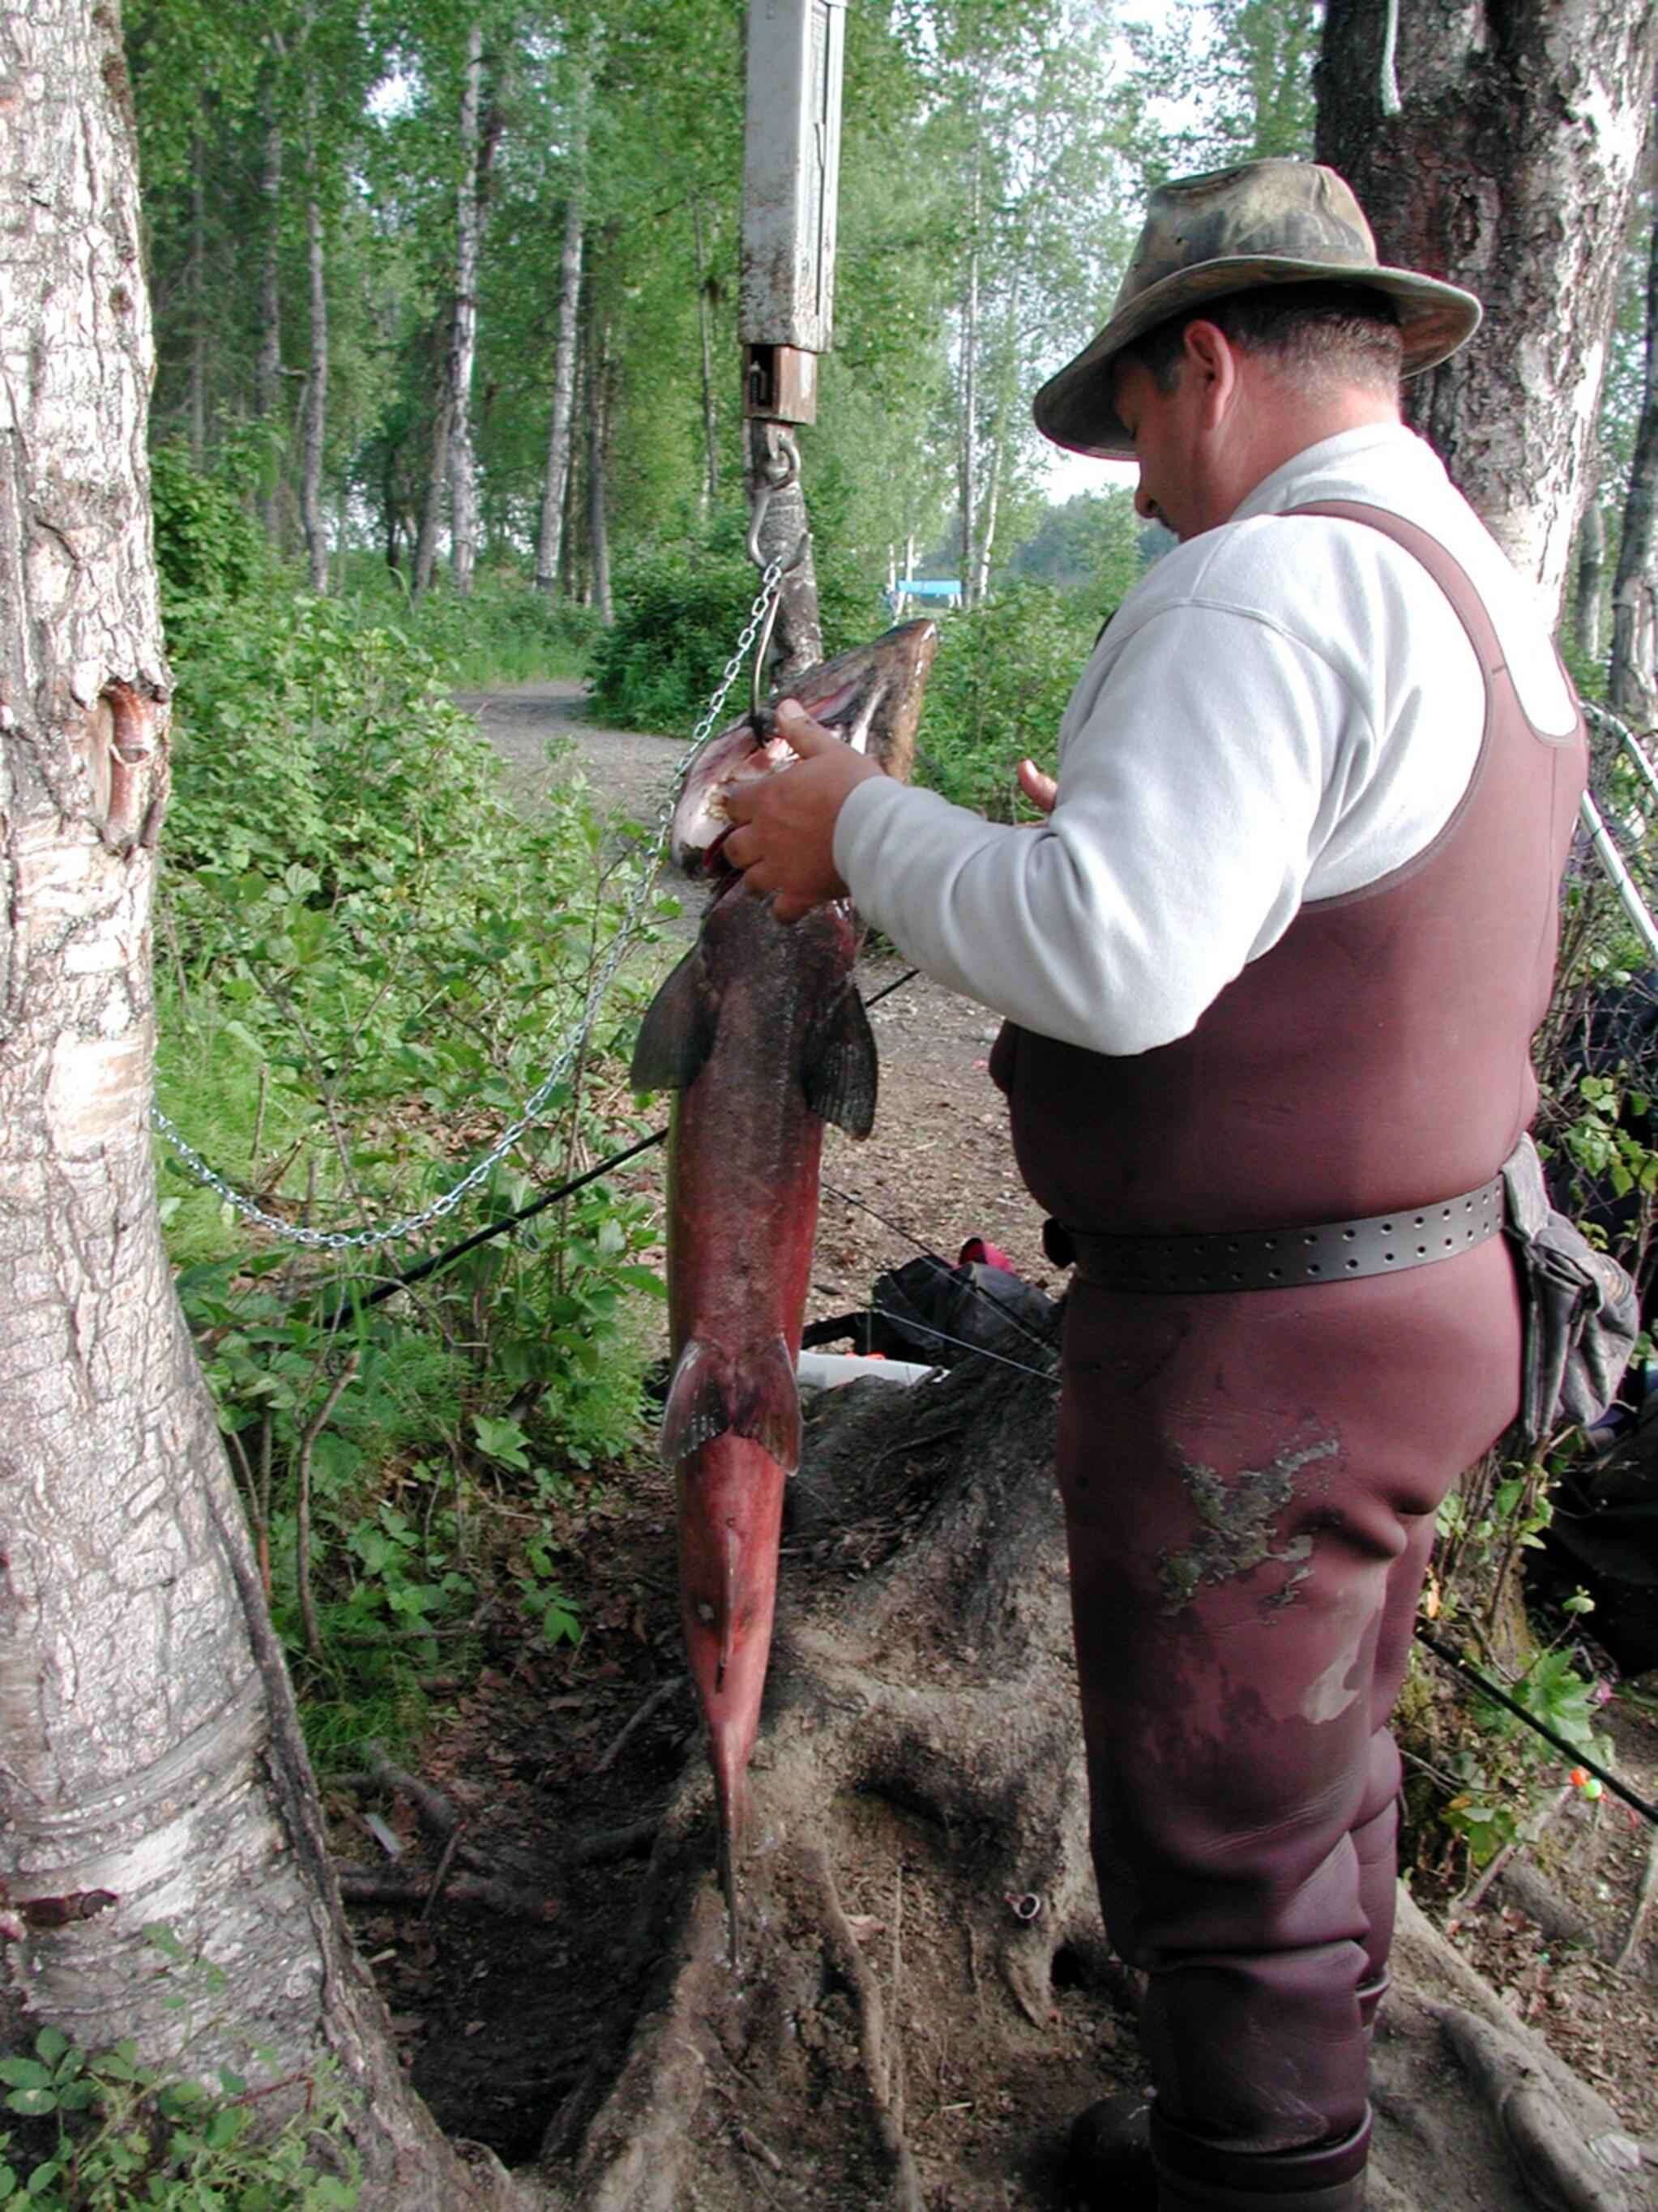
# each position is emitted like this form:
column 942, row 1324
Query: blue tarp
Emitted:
column 947, row 588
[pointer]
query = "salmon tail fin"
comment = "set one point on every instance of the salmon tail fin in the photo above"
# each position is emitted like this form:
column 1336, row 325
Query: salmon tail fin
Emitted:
column 698, row 1406
column 839, row 1075
column 767, row 1402
column 678, row 1033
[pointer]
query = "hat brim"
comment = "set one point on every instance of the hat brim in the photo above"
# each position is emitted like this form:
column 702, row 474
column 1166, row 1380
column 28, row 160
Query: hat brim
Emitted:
column 1074, row 407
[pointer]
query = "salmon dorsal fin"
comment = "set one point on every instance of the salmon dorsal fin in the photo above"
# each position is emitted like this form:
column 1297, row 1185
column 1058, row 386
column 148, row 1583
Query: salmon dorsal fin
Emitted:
column 698, row 1406
column 676, row 1035
column 839, row 1074
column 768, row 1408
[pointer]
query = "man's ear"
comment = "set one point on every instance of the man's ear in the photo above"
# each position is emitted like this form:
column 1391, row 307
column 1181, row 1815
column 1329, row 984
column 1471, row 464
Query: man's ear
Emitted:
column 1210, row 361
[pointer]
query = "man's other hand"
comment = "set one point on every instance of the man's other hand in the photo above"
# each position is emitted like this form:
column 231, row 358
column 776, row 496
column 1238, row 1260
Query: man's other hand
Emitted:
column 784, row 838
column 1040, row 789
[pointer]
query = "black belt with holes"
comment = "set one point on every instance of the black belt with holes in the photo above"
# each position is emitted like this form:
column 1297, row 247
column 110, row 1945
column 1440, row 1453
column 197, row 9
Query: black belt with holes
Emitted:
column 1281, row 1259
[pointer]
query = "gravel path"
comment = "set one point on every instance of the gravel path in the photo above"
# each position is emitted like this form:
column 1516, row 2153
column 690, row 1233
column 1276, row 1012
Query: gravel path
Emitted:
column 938, row 1167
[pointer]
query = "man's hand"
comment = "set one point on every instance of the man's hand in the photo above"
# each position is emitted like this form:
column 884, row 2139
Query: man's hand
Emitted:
column 785, row 840
column 1040, row 789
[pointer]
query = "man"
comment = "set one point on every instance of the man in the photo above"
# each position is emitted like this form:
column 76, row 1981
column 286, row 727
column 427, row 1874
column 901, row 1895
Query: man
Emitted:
column 1272, row 965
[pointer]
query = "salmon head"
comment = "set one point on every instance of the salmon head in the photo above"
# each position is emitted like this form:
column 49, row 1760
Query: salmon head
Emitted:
column 870, row 696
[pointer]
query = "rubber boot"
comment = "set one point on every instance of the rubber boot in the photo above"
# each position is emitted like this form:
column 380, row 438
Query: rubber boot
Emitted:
column 1193, row 2176
column 1108, row 2156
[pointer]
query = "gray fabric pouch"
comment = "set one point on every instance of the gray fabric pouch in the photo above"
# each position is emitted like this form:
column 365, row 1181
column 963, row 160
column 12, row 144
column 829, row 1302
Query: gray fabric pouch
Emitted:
column 1581, row 1314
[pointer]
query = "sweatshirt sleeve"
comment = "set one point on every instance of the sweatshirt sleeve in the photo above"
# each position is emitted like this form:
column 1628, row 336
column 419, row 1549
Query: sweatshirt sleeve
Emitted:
column 1200, row 770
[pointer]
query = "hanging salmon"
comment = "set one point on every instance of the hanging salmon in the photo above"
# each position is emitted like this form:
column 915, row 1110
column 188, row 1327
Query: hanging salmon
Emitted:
column 762, row 1034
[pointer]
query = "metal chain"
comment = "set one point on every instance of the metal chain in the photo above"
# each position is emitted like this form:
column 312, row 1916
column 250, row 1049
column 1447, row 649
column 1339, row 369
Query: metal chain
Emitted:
column 410, row 1224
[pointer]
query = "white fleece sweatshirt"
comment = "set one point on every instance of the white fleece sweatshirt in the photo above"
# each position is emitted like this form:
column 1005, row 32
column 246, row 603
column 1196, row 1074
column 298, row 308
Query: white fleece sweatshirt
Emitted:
column 1281, row 710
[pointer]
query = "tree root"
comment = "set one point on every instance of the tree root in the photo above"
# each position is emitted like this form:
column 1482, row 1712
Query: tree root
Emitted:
column 1562, row 2170
column 415, row 1892
column 884, row 2070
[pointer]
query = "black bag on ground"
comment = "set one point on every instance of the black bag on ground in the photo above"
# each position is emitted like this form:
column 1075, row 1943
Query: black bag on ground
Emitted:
column 934, row 1314
column 1579, row 1310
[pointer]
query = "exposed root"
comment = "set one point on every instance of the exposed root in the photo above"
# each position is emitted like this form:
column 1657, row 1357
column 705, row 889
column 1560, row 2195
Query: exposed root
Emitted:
column 1560, row 2168
column 414, row 1892
column 879, row 2067
column 1644, row 1898
column 658, row 1699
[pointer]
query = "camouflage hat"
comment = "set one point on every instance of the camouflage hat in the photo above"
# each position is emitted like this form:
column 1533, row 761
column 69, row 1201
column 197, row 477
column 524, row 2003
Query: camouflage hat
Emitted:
column 1267, row 222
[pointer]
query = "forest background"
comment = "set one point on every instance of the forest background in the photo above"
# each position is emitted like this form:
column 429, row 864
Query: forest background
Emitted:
column 446, row 316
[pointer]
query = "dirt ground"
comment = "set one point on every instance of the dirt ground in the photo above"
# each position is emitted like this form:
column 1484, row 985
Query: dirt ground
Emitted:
column 561, row 1767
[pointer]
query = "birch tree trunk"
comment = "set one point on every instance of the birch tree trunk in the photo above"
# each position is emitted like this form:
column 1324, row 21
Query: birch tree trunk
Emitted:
column 316, row 400
column 598, row 353
column 549, row 540
column 1591, row 573
column 153, row 1768
column 967, row 466
column 1510, row 169
column 710, row 488
column 268, row 361
column 463, row 510
column 1633, row 688
column 437, row 478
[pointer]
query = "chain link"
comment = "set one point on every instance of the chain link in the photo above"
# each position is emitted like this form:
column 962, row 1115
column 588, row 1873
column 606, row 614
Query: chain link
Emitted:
column 410, row 1224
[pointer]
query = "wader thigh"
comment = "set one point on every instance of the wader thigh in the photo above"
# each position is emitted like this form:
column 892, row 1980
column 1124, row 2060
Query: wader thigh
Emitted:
column 1249, row 1485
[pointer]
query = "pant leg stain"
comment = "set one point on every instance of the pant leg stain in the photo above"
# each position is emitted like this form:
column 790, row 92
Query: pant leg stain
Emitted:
column 1235, row 1513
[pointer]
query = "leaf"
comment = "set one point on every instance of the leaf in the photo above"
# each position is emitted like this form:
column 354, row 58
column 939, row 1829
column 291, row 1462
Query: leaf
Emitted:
column 51, row 2044
column 24, row 2074
column 503, row 1441
column 31, row 2103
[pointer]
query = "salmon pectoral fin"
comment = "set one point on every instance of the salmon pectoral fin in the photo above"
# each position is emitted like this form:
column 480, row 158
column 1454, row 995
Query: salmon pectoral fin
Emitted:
column 767, row 1402
column 699, row 1402
column 838, row 1076
column 678, row 1033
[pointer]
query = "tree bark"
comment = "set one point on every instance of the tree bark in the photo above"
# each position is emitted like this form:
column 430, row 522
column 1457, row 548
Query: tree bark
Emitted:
column 597, row 355
column 268, row 361
column 1591, row 573
column 1633, row 688
column 785, row 531
column 968, row 467
column 1510, row 169
column 153, row 1770
column 469, row 215
column 316, row 399
column 705, row 289
column 549, row 541
column 437, row 479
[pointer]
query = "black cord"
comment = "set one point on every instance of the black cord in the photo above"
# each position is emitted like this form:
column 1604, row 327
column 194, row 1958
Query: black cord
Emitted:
column 1573, row 1751
column 507, row 1221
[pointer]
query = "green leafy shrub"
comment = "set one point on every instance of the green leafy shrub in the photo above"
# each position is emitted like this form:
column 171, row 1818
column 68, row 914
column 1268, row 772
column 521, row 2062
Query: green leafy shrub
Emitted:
column 999, row 687
column 505, row 631
column 681, row 606
column 208, row 545
column 104, row 2131
column 370, row 961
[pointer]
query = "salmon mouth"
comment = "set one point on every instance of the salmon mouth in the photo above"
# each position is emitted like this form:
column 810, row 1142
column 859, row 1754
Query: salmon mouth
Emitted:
column 868, row 697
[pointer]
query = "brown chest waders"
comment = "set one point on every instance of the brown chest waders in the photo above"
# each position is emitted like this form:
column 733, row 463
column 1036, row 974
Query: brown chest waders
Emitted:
column 1250, row 1477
